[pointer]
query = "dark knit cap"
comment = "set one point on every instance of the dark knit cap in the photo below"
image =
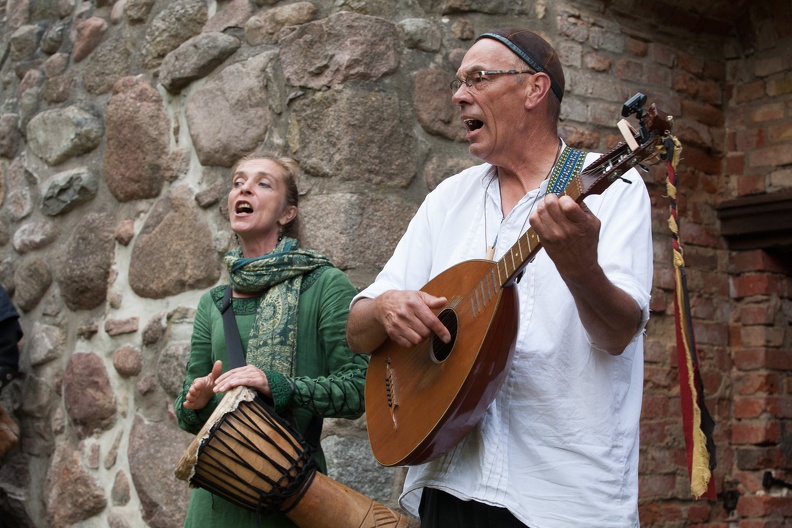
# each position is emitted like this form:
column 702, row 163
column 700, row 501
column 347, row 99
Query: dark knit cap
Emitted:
column 534, row 51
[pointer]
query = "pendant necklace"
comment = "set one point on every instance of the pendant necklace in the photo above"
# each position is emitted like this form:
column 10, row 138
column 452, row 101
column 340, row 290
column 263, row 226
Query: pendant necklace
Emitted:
column 490, row 249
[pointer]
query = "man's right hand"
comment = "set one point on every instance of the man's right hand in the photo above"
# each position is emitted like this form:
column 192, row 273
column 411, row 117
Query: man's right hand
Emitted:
column 406, row 317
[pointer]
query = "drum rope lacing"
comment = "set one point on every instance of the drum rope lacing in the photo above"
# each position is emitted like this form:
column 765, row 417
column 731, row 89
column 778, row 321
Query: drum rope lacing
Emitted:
column 294, row 478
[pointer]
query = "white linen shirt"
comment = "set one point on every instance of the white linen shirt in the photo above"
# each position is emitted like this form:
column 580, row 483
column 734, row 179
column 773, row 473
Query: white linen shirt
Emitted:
column 559, row 445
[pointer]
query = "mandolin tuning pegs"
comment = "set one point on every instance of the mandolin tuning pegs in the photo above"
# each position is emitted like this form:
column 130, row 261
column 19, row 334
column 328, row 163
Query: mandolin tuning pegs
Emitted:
column 634, row 105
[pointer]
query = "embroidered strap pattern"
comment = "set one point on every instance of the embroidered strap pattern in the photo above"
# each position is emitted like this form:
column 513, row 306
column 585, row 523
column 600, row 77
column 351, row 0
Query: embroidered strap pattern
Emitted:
column 570, row 164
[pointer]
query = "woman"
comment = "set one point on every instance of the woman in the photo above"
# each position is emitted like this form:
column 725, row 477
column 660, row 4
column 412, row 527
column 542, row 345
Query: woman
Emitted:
column 291, row 308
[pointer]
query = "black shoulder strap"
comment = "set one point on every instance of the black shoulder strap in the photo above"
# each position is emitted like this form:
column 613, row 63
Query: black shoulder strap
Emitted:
column 233, row 342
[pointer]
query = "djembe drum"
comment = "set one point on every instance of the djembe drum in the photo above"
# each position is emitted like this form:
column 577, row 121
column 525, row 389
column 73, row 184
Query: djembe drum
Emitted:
column 248, row 455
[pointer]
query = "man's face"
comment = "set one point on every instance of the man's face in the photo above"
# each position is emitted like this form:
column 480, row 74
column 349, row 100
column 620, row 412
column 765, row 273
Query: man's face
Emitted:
column 492, row 110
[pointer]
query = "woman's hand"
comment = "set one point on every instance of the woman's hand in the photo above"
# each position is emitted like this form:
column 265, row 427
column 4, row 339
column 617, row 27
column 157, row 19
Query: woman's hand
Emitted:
column 249, row 376
column 202, row 389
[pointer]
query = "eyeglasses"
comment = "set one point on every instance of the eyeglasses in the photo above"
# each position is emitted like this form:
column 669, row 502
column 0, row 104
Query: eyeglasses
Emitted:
column 474, row 79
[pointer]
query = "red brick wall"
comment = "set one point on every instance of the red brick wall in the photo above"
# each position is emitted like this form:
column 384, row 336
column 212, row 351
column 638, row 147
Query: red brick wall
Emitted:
column 734, row 117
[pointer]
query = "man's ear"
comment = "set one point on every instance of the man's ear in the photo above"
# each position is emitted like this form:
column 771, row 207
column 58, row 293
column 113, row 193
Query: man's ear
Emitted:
column 537, row 89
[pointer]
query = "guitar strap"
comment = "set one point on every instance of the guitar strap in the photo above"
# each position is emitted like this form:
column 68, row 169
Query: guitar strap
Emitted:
column 569, row 164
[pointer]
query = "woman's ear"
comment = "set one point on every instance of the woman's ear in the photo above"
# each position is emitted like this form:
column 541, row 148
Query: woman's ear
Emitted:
column 289, row 213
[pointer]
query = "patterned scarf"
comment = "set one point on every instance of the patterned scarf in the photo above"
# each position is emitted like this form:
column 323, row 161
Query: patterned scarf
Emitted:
column 279, row 274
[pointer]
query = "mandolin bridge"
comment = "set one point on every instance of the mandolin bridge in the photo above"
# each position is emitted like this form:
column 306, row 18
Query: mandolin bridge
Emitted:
column 390, row 391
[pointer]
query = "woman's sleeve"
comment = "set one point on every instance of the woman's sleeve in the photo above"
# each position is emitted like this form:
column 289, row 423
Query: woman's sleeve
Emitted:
column 199, row 364
column 340, row 393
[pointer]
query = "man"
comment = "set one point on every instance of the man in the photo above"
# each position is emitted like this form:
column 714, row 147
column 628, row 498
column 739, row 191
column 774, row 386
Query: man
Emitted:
column 558, row 447
column 10, row 335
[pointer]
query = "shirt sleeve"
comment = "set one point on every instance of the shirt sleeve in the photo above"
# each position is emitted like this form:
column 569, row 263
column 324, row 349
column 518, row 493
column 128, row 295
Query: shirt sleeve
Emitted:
column 10, row 334
column 340, row 392
column 625, row 248
column 410, row 265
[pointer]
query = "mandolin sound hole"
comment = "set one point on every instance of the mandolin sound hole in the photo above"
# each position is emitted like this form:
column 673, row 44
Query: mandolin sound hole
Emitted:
column 439, row 350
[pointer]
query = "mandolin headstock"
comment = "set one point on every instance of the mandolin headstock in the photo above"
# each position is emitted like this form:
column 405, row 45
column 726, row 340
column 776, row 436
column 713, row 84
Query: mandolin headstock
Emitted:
column 658, row 123
column 639, row 144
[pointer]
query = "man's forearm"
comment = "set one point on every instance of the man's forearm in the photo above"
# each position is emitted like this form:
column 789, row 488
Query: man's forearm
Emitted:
column 610, row 316
column 364, row 332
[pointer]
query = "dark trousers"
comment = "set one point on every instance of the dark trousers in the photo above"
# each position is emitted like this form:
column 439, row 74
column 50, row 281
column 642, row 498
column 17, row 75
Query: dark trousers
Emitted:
column 439, row 509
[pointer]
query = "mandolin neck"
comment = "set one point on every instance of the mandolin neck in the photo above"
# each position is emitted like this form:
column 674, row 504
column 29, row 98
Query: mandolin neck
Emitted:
column 594, row 179
column 528, row 245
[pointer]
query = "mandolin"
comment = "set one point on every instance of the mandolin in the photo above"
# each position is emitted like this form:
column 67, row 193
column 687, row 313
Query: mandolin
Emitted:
column 422, row 400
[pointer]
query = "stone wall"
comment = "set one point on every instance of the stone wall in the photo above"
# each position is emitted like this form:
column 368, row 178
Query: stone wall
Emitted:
column 118, row 124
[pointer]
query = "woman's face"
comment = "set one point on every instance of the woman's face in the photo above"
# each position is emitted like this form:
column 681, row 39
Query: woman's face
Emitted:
column 257, row 201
